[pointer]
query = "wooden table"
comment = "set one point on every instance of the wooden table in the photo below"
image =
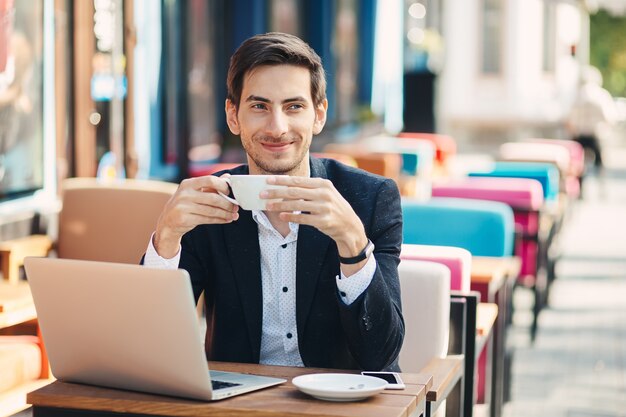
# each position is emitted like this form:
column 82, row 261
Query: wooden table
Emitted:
column 494, row 278
column 62, row 399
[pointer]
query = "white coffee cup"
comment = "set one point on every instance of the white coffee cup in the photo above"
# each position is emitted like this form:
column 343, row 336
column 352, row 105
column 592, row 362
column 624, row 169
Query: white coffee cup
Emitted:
column 246, row 189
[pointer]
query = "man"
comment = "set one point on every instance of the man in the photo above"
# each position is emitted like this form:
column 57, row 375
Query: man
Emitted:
column 296, row 284
column 592, row 111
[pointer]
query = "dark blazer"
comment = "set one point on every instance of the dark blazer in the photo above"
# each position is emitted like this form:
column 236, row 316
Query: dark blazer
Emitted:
column 224, row 261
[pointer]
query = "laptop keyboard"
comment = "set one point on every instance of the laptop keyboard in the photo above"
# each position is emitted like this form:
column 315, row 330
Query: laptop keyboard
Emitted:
column 222, row 384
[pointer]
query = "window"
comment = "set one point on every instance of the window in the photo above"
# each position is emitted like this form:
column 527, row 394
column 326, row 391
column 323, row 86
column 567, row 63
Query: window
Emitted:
column 21, row 97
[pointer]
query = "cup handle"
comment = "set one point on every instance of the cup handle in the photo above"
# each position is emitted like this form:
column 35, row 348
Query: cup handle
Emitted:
column 230, row 199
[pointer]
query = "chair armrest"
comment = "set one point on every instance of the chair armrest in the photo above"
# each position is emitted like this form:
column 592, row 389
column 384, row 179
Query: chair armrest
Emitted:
column 486, row 315
column 446, row 373
column 463, row 310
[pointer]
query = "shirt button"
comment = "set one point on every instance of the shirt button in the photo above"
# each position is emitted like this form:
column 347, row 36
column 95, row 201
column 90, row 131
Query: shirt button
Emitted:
column 289, row 335
column 343, row 294
column 285, row 289
column 284, row 246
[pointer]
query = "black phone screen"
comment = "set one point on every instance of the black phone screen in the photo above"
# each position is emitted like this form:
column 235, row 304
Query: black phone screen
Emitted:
column 389, row 377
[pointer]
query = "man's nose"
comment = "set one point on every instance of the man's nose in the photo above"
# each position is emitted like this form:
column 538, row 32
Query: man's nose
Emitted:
column 278, row 125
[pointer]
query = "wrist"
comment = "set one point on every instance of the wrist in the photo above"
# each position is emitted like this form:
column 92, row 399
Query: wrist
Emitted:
column 352, row 244
column 165, row 243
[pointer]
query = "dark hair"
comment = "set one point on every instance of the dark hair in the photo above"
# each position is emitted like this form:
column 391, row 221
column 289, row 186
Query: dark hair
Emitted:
column 275, row 48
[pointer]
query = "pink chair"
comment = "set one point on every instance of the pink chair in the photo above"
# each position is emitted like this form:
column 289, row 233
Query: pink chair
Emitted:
column 577, row 162
column 458, row 260
column 525, row 196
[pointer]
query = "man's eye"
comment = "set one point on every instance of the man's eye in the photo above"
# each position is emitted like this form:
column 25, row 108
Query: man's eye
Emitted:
column 258, row 106
column 295, row 107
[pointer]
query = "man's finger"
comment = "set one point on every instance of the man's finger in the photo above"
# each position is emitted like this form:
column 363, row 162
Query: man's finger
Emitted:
column 206, row 182
column 213, row 212
column 291, row 193
column 214, row 200
column 293, row 205
column 293, row 181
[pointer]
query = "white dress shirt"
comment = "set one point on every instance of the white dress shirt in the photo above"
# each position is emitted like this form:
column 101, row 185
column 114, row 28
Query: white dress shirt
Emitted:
column 279, row 339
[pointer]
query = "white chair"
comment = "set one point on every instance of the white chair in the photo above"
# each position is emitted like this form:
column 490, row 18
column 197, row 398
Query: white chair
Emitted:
column 425, row 290
column 426, row 309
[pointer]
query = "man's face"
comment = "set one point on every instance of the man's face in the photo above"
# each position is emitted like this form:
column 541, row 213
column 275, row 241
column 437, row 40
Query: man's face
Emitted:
column 276, row 119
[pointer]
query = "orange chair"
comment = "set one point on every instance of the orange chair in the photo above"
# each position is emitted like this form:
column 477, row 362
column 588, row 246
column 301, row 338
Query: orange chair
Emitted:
column 211, row 169
column 109, row 221
column 343, row 158
column 385, row 164
column 445, row 146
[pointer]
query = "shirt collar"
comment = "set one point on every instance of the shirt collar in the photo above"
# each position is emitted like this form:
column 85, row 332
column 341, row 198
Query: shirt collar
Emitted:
column 262, row 221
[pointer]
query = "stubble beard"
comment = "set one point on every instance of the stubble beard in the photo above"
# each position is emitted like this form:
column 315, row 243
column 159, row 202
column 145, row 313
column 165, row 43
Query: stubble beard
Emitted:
column 276, row 166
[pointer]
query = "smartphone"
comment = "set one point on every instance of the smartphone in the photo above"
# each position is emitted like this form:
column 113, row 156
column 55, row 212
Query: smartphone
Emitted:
column 393, row 378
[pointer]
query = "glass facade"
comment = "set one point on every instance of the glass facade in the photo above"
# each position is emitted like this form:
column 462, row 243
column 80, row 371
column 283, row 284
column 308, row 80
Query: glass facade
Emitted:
column 21, row 97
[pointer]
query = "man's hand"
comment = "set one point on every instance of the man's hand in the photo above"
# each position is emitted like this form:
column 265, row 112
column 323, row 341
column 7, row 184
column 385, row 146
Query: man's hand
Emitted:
column 322, row 207
column 195, row 202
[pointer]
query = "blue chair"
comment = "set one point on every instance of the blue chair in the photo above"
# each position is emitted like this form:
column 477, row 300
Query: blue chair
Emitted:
column 485, row 228
column 547, row 174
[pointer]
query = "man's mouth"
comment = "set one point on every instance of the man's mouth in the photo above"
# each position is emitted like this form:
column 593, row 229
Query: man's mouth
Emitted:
column 276, row 147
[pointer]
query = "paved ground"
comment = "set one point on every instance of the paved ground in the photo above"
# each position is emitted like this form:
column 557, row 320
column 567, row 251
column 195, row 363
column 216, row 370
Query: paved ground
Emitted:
column 577, row 366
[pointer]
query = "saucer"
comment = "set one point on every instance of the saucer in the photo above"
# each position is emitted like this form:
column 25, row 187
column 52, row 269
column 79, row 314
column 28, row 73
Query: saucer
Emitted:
column 339, row 387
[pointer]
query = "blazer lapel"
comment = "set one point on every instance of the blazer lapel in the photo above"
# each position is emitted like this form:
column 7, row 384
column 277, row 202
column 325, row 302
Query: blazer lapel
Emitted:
column 312, row 248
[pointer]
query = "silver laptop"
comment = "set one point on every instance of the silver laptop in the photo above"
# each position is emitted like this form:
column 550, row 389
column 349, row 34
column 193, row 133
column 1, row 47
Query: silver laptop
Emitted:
column 127, row 326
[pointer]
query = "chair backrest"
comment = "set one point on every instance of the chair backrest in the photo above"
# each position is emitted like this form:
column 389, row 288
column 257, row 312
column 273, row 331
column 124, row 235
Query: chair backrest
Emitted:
column 425, row 290
column 417, row 154
column 380, row 163
column 343, row 158
column 458, row 261
column 537, row 152
column 524, row 195
column 445, row 146
column 521, row 193
column 575, row 150
column 109, row 221
column 386, row 165
column 547, row 174
column 212, row 168
column 484, row 228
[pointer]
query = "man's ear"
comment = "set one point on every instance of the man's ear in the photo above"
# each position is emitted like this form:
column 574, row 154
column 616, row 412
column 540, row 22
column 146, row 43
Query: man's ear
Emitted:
column 320, row 117
column 231, row 117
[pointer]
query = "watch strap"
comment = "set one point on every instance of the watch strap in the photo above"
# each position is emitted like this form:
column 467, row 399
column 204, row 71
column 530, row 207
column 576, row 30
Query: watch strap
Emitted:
column 367, row 250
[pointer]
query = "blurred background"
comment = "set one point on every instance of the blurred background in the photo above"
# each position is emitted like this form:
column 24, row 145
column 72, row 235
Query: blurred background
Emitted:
column 136, row 88
column 143, row 81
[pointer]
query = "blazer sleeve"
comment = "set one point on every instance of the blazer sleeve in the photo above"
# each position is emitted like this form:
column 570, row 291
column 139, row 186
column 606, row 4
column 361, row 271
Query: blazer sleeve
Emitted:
column 373, row 323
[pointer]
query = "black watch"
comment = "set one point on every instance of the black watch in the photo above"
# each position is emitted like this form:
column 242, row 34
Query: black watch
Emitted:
column 364, row 254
